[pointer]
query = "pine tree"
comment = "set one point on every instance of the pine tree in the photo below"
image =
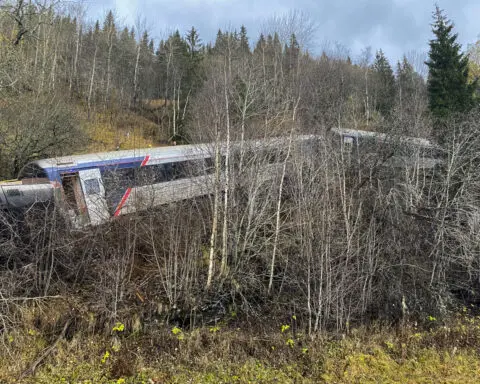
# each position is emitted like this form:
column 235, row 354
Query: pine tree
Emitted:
column 448, row 87
column 384, row 84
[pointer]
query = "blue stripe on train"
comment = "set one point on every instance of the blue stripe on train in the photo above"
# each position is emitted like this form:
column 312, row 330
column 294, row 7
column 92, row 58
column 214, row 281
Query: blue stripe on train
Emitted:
column 55, row 173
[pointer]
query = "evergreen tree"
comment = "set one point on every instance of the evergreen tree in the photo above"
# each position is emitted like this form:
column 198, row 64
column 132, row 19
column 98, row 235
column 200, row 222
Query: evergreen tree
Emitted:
column 221, row 42
column 261, row 44
column 448, row 87
column 277, row 45
column 384, row 84
column 244, row 45
column 411, row 97
column 408, row 81
column 292, row 53
column 194, row 42
column 194, row 71
column 97, row 28
column 109, row 22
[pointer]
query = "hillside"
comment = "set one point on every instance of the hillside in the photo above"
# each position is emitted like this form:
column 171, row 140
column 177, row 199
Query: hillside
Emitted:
column 341, row 266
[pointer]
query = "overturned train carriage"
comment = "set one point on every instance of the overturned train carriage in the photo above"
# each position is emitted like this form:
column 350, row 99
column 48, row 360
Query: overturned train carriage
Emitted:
column 89, row 189
column 390, row 150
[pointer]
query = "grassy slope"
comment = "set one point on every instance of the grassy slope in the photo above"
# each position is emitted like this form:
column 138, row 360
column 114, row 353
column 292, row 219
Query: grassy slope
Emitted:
column 125, row 130
column 227, row 354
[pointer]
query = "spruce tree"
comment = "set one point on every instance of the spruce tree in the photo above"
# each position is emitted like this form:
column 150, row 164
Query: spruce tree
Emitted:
column 448, row 88
column 194, row 44
column 243, row 44
column 384, row 84
column 261, row 44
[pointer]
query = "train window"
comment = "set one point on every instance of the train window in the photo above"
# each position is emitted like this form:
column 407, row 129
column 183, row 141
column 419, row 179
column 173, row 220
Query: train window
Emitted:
column 118, row 177
column 151, row 174
column 168, row 171
column 190, row 168
column 13, row 192
column 268, row 155
column 181, row 170
column 205, row 166
column 32, row 171
column 92, row 187
column 348, row 142
column 209, row 165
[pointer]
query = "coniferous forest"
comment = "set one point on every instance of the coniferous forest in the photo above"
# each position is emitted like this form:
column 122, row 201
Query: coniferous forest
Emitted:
column 346, row 266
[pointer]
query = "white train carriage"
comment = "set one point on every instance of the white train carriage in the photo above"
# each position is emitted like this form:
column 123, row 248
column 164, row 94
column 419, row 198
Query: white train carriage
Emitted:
column 92, row 188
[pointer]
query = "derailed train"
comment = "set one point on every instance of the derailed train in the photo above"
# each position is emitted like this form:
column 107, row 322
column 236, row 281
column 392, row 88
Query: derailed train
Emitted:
column 92, row 188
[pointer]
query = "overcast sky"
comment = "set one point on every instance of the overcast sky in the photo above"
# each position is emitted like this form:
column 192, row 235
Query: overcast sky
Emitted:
column 395, row 26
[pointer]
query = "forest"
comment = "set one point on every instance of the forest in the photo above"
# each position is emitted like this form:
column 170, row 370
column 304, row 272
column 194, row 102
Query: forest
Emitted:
column 335, row 270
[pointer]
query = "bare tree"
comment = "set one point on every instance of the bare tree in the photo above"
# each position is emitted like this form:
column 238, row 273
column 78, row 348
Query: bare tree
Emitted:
column 295, row 22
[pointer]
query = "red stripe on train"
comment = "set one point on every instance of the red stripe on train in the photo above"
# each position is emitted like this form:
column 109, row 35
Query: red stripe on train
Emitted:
column 145, row 161
column 122, row 202
column 129, row 190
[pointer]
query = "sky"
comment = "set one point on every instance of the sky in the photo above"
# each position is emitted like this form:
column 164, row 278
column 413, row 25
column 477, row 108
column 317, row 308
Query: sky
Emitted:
column 397, row 27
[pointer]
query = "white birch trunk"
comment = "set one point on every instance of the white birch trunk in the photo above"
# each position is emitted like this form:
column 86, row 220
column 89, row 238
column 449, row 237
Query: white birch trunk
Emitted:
column 109, row 65
column 75, row 60
column 213, row 236
column 227, row 179
column 92, row 79
column 135, row 76
column 279, row 201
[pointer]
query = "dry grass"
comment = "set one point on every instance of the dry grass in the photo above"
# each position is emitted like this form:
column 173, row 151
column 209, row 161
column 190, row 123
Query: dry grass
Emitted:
column 125, row 131
column 232, row 354
column 156, row 104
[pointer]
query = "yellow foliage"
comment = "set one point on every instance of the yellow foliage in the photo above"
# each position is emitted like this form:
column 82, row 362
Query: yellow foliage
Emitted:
column 126, row 131
column 474, row 61
column 474, row 71
column 157, row 103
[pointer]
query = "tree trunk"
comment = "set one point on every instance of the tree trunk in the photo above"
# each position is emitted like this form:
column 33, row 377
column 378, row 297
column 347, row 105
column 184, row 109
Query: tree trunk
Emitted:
column 227, row 179
column 92, row 79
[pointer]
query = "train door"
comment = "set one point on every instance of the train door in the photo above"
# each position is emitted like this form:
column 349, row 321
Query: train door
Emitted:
column 94, row 194
column 73, row 200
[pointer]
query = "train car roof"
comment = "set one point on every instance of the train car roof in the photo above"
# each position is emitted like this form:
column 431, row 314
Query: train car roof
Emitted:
column 174, row 153
column 416, row 141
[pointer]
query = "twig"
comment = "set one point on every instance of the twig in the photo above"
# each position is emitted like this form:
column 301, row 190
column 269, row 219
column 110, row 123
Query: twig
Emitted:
column 29, row 298
column 46, row 353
